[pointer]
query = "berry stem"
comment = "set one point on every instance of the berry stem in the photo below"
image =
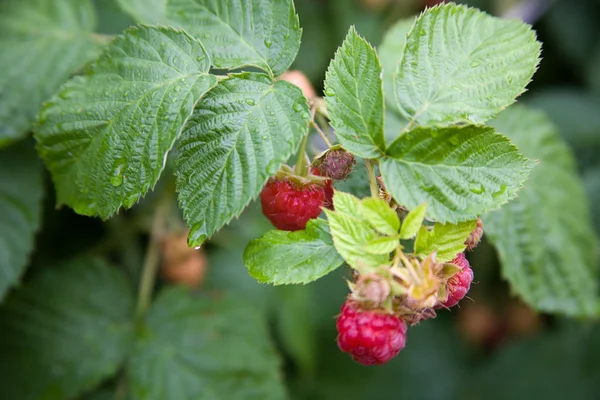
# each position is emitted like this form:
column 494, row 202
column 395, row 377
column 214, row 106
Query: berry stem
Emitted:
column 152, row 257
column 321, row 133
column 317, row 127
column 301, row 164
column 372, row 178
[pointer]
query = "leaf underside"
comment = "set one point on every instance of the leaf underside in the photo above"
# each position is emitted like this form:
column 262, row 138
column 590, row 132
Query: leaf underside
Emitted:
column 545, row 240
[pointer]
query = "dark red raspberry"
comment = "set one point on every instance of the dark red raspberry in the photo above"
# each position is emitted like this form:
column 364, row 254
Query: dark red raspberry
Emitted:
column 289, row 206
column 475, row 236
column 336, row 164
column 328, row 188
column 459, row 284
column 370, row 336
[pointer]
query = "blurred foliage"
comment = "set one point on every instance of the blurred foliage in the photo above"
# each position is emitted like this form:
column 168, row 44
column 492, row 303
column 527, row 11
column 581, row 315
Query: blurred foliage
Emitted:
column 483, row 350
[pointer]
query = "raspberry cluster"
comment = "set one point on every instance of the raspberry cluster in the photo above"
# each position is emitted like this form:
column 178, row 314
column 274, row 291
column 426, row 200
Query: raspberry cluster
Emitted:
column 373, row 333
column 373, row 321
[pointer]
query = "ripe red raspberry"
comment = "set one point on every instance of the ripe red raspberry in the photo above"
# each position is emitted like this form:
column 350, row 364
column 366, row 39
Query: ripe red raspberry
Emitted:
column 289, row 206
column 459, row 284
column 328, row 188
column 370, row 336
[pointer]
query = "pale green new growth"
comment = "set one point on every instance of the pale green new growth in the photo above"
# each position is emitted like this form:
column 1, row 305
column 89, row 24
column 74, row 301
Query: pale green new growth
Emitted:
column 462, row 65
column 105, row 136
column 413, row 221
column 446, row 239
column 461, row 172
column 546, row 243
column 379, row 214
column 42, row 43
column 66, row 331
column 354, row 97
column 280, row 257
column 238, row 33
column 20, row 210
column 383, row 245
column 351, row 231
column 239, row 135
column 203, row 348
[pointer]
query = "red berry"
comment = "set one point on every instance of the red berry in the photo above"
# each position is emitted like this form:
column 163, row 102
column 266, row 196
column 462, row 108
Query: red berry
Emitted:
column 289, row 206
column 328, row 188
column 459, row 284
column 370, row 336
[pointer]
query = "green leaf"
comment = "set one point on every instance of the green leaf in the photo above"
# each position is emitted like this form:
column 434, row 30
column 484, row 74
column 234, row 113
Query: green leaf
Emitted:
column 391, row 51
column 281, row 257
column 105, row 136
column 197, row 347
column 41, row 44
column 238, row 137
column 545, row 240
column 354, row 97
column 380, row 215
column 413, row 221
column 240, row 33
column 21, row 192
column 461, row 172
column 383, row 245
column 65, row 331
column 446, row 239
column 350, row 232
column 462, row 65
column 145, row 11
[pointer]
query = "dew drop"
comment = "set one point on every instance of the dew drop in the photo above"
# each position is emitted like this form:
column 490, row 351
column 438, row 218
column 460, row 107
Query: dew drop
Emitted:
column 454, row 141
column 130, row 200
column 475, row 64
column 330, row 92
column 272, row 113
column 250, row 102
column 116, row 178
column 206, row 35
column 309, row 261
column 268, row 43
column 297, row 107
column 476, row 188
column 199, row 58
column 176, row 89
column 305, row 115
column 265, row 137
column 197, row 235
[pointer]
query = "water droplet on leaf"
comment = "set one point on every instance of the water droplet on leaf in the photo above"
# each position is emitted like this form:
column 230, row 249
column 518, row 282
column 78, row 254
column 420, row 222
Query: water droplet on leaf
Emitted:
column 116, row 178
column 475, row 64
column 250, row 102
column 268, row 43
column 297, row 107
column 330, row 92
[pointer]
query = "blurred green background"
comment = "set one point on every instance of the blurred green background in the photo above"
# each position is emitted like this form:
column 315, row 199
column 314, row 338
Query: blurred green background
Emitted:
column 492, row 346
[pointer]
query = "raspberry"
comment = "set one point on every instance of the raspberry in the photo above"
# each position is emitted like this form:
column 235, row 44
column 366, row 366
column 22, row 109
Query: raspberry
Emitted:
column 475, row 236
column 370, row 336
column 328, row 203
column 459, row 284
column 336, row 164
column 289, row 206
